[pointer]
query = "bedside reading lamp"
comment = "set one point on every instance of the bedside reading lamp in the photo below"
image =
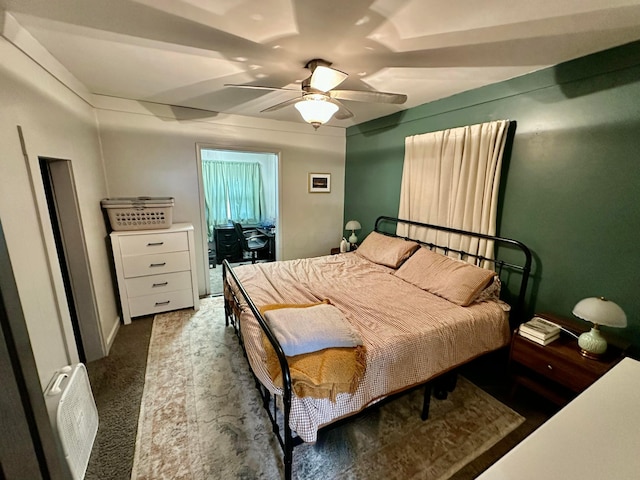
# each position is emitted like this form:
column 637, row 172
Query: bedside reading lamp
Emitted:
column 599, row 311
column 353, row 225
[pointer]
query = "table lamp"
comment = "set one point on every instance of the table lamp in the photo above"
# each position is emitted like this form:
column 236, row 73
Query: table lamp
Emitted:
column 353, row 225
column 599, row 311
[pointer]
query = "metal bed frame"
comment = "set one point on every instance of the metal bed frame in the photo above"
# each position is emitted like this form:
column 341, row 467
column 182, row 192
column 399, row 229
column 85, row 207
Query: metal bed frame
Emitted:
column 443, row 383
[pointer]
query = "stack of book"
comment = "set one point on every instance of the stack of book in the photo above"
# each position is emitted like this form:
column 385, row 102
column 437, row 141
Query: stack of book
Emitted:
column 539, row 330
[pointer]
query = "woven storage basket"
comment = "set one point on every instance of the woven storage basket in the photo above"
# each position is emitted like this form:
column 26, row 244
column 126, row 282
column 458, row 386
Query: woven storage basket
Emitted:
column 139, row 213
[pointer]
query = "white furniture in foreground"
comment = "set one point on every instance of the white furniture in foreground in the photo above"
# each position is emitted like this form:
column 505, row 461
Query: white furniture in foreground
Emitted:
column 595, row 437
column 156, row 270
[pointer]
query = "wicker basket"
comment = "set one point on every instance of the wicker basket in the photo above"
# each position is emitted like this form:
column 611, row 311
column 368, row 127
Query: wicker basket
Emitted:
column 139, row 213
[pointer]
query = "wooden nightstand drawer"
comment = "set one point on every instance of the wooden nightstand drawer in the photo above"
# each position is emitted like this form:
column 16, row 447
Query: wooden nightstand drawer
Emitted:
column 547, row 362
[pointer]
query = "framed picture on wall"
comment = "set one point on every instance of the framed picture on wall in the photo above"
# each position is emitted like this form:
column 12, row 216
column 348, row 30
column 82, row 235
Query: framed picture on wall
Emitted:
column 319, row 183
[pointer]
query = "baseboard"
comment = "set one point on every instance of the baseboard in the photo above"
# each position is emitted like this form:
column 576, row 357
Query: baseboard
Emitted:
column 112, row 334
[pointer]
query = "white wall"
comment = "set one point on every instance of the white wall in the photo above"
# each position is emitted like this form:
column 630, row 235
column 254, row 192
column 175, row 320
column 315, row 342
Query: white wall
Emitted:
column 56, row 124
column 151, row 150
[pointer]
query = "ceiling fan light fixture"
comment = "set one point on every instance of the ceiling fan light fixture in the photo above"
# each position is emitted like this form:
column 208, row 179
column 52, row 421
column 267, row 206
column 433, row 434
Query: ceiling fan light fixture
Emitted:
column 325, row 78
column 316, row 110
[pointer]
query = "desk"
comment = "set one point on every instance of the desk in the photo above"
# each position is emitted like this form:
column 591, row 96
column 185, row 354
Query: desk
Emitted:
column 270, row 234
column 227, row 243
column 595, row 437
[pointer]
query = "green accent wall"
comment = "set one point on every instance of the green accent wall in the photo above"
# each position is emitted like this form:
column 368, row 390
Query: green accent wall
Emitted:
column 570, row 187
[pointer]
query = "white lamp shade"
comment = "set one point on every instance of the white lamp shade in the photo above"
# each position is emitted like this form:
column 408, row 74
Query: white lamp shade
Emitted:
column 352, row 225
column 315, row 109
column 324, row 78
column 600, row 311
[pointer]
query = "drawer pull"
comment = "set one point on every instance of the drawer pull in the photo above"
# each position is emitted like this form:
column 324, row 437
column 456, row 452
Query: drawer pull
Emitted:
column 549, row 367
column 158, row 264
column 158, row 304
column 163, row 284
column 154, row 244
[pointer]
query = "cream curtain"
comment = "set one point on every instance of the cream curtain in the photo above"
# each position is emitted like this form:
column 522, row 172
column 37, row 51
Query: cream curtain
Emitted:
column 451, row 178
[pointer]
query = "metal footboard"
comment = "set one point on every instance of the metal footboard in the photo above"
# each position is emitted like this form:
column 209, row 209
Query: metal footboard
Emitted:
column 232, row 305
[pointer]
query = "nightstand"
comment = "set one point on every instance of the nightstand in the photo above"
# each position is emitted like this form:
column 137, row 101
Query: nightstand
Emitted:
column 336, row 250
column 558, row 371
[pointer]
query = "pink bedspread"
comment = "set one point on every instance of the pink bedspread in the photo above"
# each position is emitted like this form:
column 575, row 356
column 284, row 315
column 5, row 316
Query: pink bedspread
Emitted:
column 410, row 335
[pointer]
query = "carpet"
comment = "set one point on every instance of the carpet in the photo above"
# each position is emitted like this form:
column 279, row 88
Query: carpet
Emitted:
column 202, row 418
column 117, row 382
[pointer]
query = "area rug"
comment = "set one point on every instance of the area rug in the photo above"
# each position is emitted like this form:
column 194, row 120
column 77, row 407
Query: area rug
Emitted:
column 202, row 418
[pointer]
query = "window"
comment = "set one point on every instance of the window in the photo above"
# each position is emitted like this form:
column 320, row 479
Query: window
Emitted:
column 235, row 188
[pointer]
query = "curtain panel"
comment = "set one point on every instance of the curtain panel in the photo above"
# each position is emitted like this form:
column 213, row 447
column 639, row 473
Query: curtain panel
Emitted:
column 452, row 178
column 232, row 191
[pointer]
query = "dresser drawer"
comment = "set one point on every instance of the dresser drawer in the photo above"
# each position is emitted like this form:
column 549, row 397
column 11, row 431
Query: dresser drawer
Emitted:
column 227, row 234
column 141, row 265
column 154, row 243
column 153, row 284
column 161, row 302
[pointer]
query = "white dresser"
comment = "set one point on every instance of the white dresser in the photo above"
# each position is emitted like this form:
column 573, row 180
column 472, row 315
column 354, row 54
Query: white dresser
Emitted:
column 156, row 270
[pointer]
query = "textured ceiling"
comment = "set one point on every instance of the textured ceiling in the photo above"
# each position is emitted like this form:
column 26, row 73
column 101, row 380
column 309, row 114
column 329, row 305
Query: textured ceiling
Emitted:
column 183, row 52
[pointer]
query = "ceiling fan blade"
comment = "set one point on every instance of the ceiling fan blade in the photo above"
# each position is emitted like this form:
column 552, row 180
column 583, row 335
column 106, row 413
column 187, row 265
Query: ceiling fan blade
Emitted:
column 260, row 87
column 325, row 78
column 280, row 105
column 368, row 96
column 343, row 112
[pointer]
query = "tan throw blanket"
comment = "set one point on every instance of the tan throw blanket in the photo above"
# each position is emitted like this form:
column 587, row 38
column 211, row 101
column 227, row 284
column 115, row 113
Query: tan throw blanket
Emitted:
column 320, row 374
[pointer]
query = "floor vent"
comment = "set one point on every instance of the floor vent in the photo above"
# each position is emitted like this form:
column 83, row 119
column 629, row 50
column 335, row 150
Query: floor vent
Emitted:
column 74, row 416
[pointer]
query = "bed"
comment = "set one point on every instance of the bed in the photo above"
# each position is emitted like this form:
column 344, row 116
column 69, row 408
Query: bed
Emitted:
column 420, row 309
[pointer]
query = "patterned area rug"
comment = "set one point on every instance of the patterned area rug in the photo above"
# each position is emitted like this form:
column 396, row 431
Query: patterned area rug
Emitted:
column 202, row 418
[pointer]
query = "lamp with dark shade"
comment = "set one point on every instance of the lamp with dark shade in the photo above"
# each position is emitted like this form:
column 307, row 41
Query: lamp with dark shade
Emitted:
column 599, row 311
column 353, row 225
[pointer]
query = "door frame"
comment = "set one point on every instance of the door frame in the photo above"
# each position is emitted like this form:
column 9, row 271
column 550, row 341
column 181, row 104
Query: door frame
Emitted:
column 203, row 219
column 66, row 223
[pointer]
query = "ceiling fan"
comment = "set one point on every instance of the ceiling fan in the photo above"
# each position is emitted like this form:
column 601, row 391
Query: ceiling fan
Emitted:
column 320, row 101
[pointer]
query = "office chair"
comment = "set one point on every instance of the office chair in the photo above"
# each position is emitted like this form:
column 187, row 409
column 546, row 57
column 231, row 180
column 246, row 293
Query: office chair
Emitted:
column 251, row 241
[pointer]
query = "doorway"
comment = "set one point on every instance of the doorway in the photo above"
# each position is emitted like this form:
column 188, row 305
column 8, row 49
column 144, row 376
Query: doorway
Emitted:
column 236, row 186
column 64, row 212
